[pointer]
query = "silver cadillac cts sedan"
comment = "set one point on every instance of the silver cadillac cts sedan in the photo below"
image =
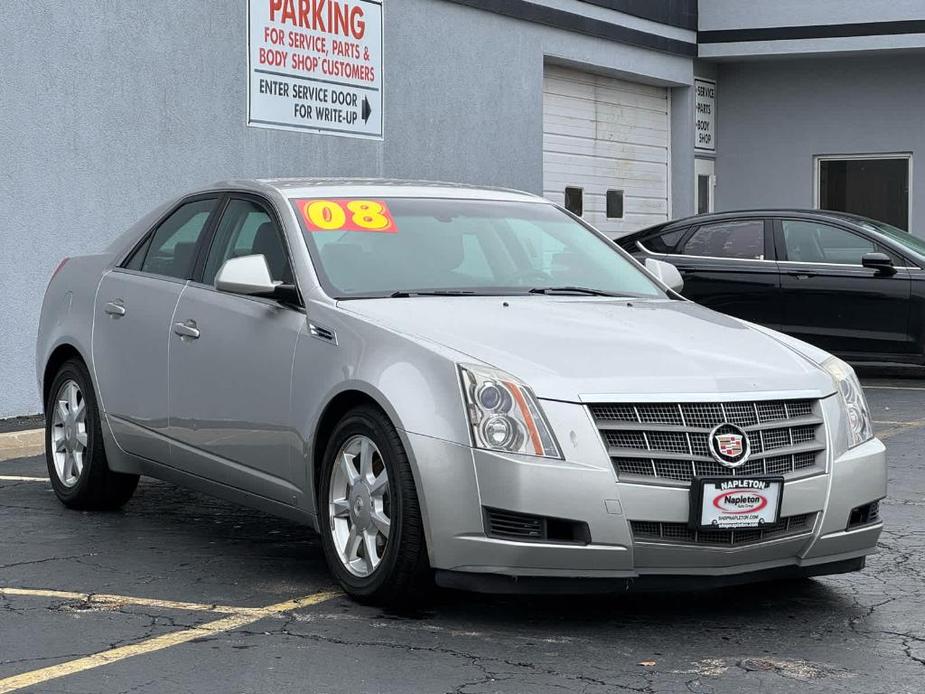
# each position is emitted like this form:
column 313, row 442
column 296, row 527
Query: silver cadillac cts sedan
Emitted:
column 458, row 384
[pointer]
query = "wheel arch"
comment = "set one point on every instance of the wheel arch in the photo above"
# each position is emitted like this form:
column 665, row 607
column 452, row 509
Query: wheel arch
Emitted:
column 355, row 394
column 335, row 409
column 60, row 354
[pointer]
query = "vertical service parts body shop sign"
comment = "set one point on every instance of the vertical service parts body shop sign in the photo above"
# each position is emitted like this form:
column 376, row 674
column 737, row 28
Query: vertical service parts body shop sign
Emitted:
column 316, row 66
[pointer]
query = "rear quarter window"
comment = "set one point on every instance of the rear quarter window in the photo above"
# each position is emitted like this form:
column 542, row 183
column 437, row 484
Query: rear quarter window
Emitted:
column 665, row 242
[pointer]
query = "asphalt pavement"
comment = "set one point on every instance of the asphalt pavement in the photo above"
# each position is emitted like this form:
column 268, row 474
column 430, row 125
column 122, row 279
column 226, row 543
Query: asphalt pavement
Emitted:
column 183, row 593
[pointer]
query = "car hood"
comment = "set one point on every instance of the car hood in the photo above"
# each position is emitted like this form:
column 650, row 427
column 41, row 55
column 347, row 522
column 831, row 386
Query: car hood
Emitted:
column 586, row 349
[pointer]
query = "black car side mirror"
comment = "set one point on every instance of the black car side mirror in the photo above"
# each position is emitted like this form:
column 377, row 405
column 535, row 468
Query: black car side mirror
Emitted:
column 880, row 262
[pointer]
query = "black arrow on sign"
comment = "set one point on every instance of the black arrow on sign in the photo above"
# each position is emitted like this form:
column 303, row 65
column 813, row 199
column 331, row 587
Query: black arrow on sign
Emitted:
column 366, row 109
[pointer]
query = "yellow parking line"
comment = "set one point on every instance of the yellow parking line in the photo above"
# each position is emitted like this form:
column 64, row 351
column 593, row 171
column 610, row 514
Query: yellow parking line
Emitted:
column 900, row 428
column 118, row 600
column 21, row 444
column 20, row 478
column 158, row 643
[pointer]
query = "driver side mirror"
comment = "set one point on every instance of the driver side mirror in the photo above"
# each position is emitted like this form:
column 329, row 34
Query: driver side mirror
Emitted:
column 250, row 275
column 666, row 272
column 880, row 262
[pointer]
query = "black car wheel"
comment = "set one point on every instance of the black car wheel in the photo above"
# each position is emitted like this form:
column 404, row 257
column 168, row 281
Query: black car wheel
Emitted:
column 77, row 464
column 370, row 519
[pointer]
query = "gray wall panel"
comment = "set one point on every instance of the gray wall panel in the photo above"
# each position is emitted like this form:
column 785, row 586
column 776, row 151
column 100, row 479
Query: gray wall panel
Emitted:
column 742, row 14
column 121, row 105
column 774, row 116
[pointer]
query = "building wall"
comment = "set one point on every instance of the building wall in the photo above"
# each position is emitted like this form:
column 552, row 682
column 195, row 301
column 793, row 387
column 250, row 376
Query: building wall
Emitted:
column 774, row 116
column 741, row 28
column 110, row 108
column 736, row 14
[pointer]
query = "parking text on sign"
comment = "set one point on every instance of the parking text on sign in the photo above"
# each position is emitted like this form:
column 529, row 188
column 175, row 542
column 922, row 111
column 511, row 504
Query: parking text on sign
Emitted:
column 316, row 65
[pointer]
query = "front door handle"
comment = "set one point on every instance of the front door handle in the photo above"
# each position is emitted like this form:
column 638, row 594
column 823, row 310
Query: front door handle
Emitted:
column 802, row 275
column 187, row 329
column 115, row 308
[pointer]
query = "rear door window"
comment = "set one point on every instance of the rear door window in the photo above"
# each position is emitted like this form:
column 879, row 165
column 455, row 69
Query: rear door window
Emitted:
column 172, row 248
column 742, row 239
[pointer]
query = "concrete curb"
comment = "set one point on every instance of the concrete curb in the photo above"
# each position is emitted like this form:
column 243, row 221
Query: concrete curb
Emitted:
column 22, row 444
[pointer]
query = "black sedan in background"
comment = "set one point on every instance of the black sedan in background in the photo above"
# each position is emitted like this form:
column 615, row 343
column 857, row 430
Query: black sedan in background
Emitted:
column 850, row 285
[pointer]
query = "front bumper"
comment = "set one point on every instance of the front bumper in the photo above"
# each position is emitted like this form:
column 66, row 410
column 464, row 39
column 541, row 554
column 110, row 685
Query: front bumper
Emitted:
column 456, row 482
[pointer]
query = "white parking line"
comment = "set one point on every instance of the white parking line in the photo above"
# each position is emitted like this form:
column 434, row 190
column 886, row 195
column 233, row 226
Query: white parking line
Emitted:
column 892, row 388
column 20, row 478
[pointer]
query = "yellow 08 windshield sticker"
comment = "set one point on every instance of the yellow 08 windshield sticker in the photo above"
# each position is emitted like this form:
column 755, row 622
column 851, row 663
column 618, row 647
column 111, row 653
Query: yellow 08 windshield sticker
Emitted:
column 345, row 214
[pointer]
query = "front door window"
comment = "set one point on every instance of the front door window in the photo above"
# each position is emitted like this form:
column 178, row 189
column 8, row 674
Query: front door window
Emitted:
column 812, row 242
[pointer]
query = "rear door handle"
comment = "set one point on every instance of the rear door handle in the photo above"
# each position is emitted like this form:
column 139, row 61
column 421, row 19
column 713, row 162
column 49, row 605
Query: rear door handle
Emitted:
column 115, row 308
column 187, row 329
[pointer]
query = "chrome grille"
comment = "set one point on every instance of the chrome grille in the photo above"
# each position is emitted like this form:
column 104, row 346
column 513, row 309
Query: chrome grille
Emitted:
column 680, row 533
column 669, row 441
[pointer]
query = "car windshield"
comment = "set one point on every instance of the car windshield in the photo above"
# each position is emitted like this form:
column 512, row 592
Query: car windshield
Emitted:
column 903, row 238
column 409, row 246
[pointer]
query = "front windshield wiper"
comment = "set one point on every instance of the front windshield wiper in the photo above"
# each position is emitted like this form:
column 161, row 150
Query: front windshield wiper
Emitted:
column 572, row 290
column 404, row 294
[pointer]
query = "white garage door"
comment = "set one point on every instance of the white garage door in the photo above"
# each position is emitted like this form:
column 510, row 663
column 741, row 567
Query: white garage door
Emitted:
column 602, row 134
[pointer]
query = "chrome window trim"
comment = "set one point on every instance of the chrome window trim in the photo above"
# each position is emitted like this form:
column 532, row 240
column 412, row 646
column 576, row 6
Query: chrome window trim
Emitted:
column 708, row 257
column 150, row 275
column 257, row 299
column 756, row 260
column 852, row 265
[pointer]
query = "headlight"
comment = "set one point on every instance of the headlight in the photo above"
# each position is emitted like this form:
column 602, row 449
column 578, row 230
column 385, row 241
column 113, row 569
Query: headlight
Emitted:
column 853, row 401
column 504, row 415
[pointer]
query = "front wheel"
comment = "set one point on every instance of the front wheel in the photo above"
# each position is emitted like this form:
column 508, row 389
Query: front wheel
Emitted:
column 74, row 453
column 371, row 527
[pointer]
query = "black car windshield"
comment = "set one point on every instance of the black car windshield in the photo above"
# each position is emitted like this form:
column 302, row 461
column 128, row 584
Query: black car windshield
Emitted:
column 423, row 246
column 903, row 238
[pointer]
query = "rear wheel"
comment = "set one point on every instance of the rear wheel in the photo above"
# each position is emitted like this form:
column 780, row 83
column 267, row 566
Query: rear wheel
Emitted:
column 371, row 526
column 74, row 453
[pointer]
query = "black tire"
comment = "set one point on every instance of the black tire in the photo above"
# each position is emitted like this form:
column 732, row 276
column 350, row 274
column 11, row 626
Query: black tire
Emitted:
column 403, row 574
column 97, row 487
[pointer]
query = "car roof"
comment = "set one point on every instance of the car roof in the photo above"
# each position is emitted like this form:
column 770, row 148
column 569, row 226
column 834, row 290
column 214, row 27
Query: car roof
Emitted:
column 376, row 187
column 759, row 212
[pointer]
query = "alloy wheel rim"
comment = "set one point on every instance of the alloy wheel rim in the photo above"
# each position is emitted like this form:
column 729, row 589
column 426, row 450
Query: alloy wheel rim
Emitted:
column 359, row 506
column 69, row 433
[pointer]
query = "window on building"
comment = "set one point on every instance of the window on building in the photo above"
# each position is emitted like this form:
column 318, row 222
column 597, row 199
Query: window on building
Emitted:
column 614, row 204
column 812, row 242
column 703, row 194
column 173, row 246
column 738, row 239
column 875, row 187
column 573, row 200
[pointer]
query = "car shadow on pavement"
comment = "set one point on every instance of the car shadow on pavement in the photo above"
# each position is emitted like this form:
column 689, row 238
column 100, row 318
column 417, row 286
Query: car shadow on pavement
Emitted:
column 226, row 547
column 796, row 597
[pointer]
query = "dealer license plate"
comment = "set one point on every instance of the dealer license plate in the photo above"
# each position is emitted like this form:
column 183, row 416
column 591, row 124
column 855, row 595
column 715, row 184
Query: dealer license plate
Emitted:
column 736, row 502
